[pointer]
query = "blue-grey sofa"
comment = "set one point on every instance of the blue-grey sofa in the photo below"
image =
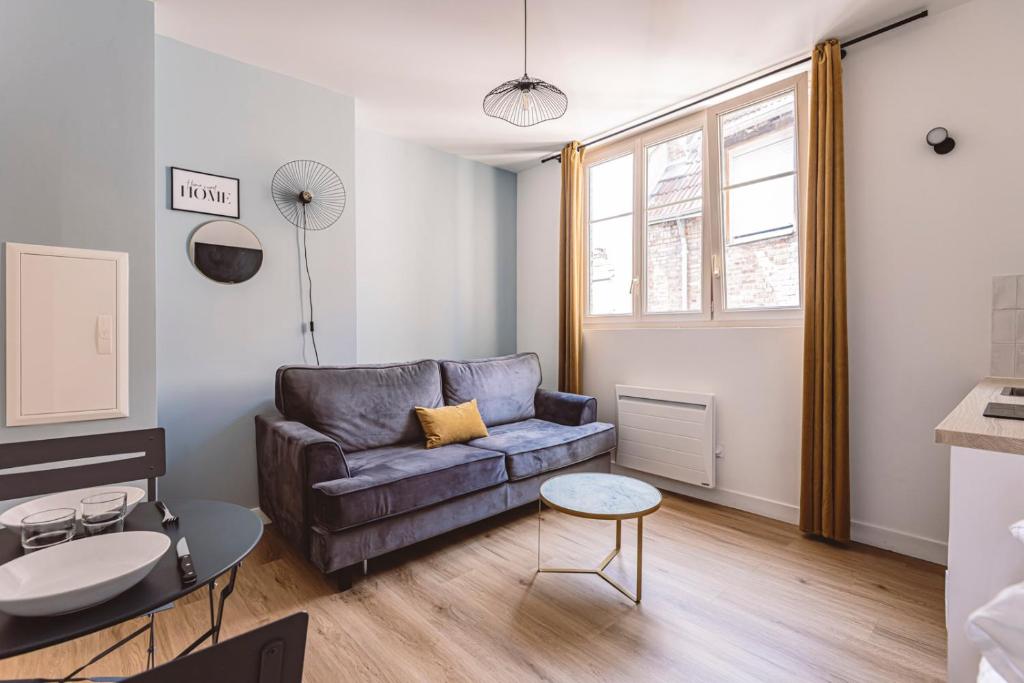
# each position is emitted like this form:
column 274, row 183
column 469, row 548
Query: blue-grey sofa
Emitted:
column 343, row 469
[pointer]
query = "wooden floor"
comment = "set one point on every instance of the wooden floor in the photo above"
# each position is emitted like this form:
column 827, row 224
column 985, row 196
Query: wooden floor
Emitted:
column 728, row 596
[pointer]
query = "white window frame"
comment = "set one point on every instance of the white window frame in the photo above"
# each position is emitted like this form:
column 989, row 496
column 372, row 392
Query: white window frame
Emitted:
column 674, row 129
column 607, row 153
column 713, row 276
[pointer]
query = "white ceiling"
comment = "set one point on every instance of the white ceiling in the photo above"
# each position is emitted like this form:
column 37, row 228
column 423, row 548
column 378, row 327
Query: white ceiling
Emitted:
column 419, row 69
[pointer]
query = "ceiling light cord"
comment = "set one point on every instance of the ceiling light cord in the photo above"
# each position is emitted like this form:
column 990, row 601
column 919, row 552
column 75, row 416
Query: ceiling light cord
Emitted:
column 524, row 38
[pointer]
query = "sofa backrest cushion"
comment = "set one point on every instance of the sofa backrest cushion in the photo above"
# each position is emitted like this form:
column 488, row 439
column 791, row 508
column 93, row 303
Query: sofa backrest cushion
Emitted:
column 503, row 387
column 361, row 406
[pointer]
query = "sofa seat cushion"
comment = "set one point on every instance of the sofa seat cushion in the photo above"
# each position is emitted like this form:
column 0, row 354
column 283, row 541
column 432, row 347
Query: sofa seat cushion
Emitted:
column 396, row 479
column 535, row 446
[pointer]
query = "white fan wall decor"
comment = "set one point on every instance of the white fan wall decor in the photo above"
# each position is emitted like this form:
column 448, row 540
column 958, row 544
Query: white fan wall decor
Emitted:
column 311, row 197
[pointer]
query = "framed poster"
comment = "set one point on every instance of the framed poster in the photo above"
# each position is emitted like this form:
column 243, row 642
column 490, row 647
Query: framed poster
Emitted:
column 215, row 195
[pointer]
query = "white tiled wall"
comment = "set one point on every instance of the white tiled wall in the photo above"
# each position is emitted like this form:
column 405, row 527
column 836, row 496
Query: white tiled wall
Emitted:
column 1008, row 326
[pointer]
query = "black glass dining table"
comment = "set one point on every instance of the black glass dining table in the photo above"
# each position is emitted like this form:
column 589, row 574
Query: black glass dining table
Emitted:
column 220, row 535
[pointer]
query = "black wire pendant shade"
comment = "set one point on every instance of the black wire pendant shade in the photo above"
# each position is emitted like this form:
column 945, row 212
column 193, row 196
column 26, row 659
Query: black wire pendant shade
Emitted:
column 308, row 194
column 525, row 101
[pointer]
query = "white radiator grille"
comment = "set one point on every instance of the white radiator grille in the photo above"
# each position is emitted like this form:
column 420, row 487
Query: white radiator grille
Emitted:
column 668, row 433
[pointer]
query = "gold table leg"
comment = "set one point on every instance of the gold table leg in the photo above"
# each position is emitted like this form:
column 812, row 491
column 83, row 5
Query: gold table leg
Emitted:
column 599, row 571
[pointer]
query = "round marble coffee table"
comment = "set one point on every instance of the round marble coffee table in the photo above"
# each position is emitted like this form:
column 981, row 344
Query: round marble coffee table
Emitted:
column 594, row 495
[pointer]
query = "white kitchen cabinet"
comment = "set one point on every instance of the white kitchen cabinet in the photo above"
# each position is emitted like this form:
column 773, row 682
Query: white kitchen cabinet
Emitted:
column 986, row 480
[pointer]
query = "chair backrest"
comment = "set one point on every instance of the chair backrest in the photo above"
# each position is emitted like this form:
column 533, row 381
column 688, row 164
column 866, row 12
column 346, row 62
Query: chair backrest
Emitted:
column 270, row 654
column 34, row 468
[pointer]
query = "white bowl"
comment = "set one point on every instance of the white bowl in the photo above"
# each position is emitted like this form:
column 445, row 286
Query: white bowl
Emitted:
column 65, row 499
column 78, row 574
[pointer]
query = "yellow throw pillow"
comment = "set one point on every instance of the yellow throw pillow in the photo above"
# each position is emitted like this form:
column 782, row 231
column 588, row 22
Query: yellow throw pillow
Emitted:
column 451, row 424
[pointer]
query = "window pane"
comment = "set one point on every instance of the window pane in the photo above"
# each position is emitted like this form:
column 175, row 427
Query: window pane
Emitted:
column 767, row 158
column 763, row 273
column 759, row 212
column 611, row 266
column 760, row 208
column 611, row 188
column 674, row 265
column 758, row 141
column 675, row 183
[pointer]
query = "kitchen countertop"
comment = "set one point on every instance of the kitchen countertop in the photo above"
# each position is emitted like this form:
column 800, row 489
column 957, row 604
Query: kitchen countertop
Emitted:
column 967, row 427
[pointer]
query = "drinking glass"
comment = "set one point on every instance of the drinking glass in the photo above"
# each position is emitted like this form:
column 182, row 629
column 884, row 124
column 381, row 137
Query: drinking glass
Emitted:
column 104, row 512
column 47, row 528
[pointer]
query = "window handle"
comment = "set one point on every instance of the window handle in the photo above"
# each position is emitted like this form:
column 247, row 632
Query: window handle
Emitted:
column 716, row 269
column 633, row 284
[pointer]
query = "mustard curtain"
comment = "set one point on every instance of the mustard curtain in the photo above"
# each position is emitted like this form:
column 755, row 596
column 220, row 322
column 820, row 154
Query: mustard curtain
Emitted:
column 570, row 271
column 825, row 470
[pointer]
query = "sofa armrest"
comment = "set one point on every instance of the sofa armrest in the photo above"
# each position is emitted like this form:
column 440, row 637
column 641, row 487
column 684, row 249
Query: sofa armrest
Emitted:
column 565, row 409
column 290, row 459
column 321, row 455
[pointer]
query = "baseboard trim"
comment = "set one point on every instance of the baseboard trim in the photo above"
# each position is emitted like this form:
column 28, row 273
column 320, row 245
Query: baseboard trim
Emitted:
column 900, row 542
column 263, row 517
column 765, row 507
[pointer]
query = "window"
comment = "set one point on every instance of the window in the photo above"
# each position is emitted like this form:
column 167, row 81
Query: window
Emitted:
column 759, row 211
column 610, row 235
column 675, row 221
column 699, row 220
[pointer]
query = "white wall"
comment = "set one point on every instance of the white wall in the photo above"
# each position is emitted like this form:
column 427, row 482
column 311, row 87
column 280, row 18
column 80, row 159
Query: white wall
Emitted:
column 537, row 201
column 436, row 237
column 926, row 233
column 757, row 402
column 753, row 372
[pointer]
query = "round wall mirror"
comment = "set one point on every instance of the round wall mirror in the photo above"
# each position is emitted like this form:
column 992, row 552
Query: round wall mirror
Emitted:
column 225, row 251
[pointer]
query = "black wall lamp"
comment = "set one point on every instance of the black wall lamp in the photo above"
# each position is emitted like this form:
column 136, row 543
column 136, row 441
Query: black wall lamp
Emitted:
column 940, row 140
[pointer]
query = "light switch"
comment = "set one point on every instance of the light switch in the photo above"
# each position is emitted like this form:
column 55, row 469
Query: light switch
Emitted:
column 104, row 335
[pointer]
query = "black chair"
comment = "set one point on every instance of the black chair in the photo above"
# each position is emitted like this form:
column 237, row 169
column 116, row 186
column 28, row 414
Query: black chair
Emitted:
column 76, row 462
column 270, row 654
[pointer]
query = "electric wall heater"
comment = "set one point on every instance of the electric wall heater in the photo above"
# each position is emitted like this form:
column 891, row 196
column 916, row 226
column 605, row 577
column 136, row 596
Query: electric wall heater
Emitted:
column 668, row 433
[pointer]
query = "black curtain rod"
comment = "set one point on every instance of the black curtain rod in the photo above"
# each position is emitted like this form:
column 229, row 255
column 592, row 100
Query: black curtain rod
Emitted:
column 718, row 93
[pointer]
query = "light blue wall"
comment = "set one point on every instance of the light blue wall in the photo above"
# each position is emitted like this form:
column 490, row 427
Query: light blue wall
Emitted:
column 219, row 345
column 437, row 253
column 76, row 158
column 436, row 268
